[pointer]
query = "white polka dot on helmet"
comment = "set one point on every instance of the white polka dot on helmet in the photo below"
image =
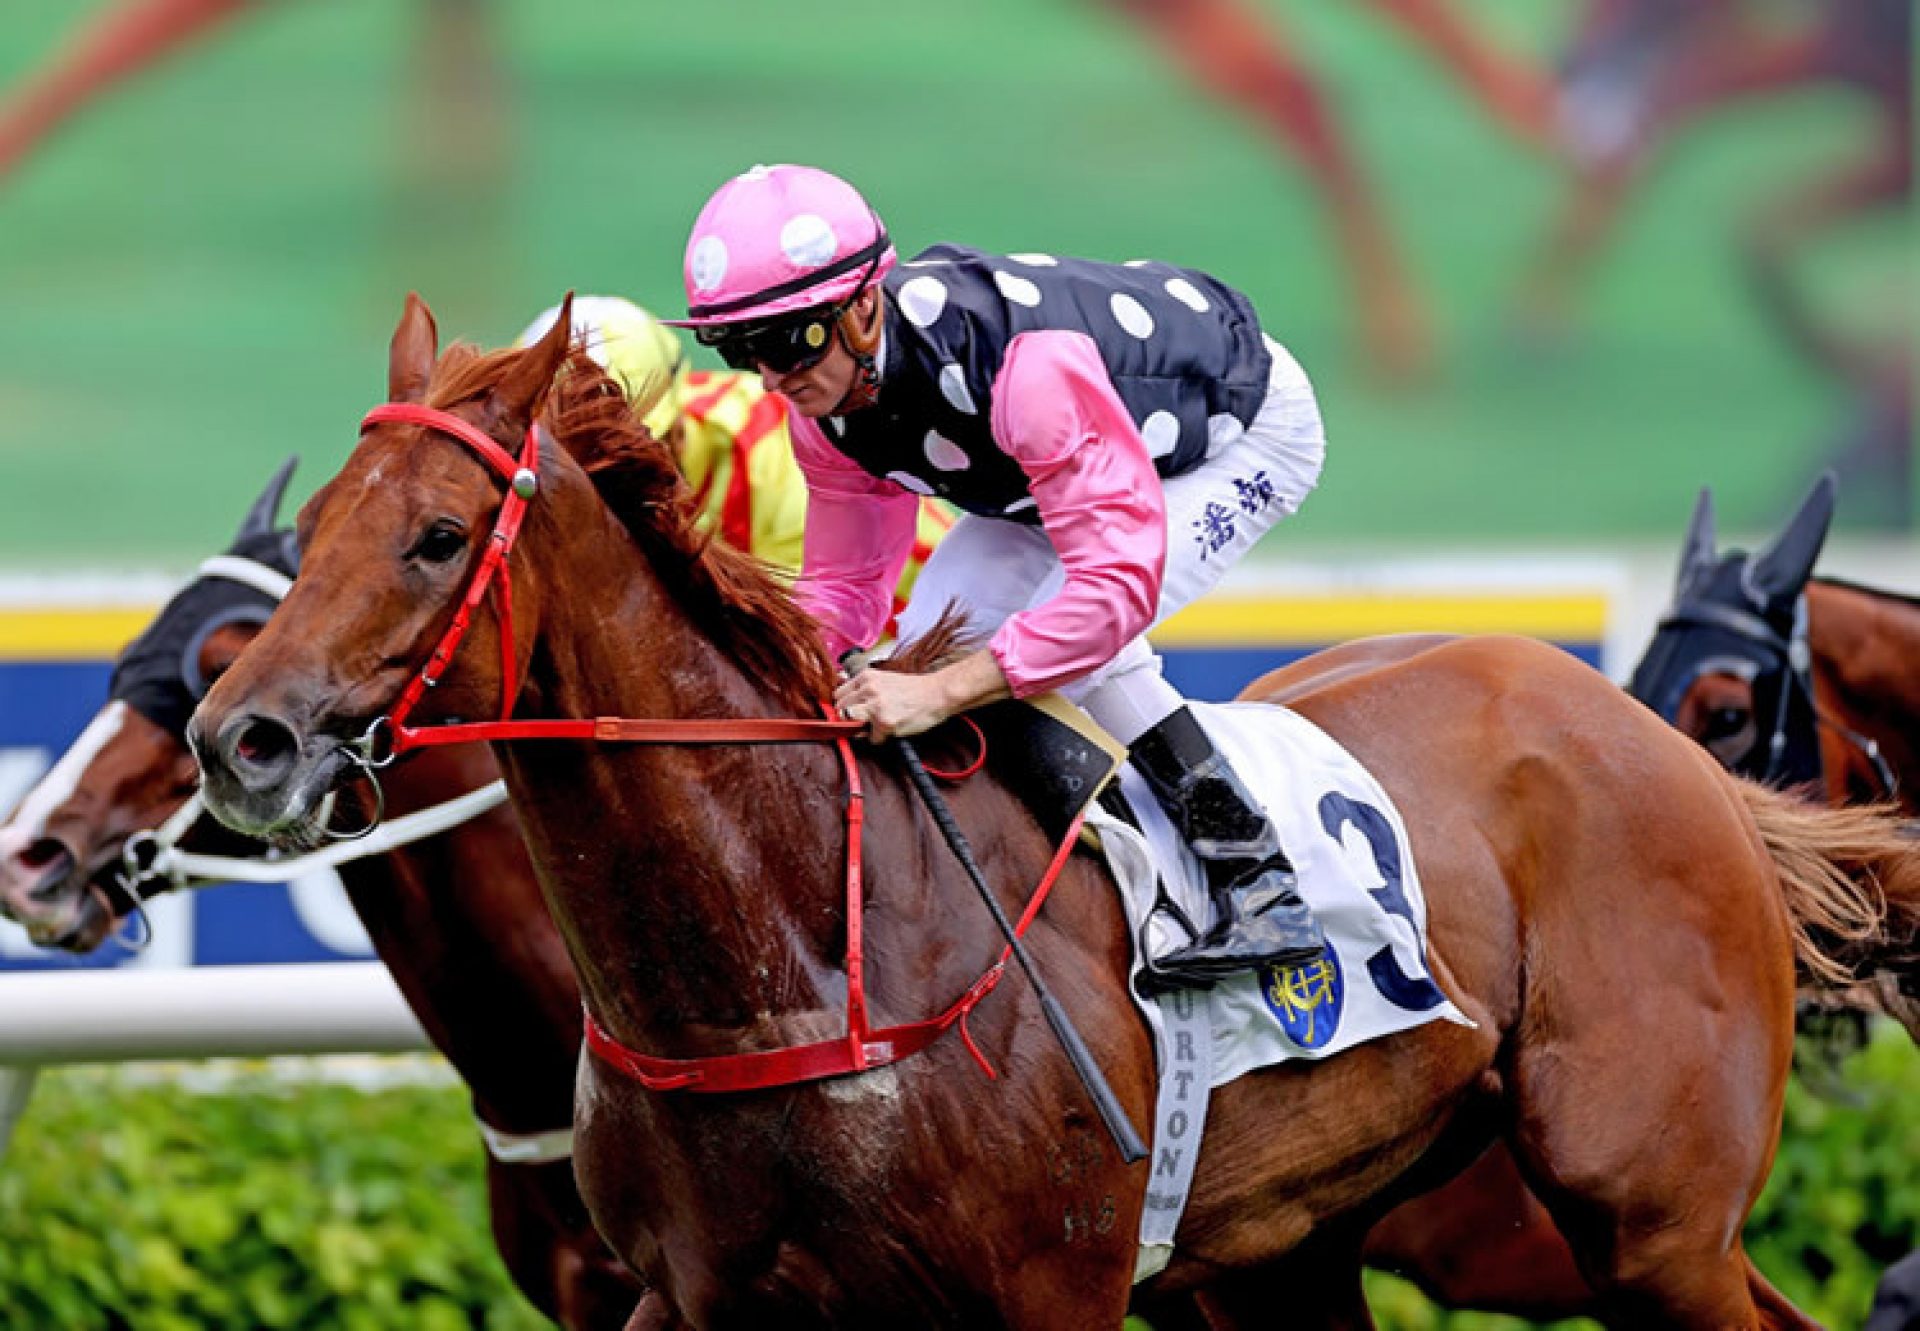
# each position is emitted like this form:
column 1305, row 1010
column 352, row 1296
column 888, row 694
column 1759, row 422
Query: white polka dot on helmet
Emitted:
column 778, row 239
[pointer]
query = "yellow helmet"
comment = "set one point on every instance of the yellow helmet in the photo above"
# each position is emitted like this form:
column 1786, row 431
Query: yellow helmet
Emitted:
column 642, row 354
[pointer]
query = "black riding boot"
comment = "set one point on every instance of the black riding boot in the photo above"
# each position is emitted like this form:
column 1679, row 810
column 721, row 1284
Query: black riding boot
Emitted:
column 1260, row 918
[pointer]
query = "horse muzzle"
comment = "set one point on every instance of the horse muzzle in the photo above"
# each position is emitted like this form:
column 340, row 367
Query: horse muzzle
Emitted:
column 44, row 889
column 264, row 777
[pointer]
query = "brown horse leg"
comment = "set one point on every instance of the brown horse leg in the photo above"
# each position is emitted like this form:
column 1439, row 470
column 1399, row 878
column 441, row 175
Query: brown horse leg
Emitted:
column 1651, row 1200
column 1776, row 1314
column 1483, row 1241
column 119, row 44
column 1314, row 1288
column 1513, row 92
column 552, row 1251
column 653, row 1314
column 1230, row 52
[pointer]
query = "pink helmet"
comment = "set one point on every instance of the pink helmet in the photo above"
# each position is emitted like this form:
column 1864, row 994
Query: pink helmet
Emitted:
column 779, row 239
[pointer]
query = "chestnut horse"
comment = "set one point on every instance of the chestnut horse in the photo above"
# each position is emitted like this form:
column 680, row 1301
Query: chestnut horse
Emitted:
column 1619, row 916
column 1725, row 670
column 457, row 918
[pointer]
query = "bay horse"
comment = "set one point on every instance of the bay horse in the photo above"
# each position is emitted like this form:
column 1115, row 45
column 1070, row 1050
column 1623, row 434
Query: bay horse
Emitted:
column 457, row 918
column 1619, row 916
column 1798, row 681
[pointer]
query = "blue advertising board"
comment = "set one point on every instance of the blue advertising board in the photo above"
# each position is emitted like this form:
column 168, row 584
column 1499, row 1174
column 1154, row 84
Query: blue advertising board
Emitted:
column 54, row 669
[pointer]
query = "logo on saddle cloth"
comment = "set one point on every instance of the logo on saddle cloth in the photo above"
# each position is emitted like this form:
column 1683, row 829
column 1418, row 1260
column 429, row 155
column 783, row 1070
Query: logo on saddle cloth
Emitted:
column 1306, row 999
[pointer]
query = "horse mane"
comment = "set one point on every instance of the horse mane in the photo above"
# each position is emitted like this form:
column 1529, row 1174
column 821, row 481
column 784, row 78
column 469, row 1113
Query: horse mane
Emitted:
column 731, row 596
column 1878, row 593
column 950, row 638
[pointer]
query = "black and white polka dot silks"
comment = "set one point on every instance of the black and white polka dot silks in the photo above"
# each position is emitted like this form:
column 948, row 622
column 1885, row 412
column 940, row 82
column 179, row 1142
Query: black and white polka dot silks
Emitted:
column 1184, row 351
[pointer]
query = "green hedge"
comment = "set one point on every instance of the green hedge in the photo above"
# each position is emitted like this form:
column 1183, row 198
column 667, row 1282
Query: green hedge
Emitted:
column 127, row 1201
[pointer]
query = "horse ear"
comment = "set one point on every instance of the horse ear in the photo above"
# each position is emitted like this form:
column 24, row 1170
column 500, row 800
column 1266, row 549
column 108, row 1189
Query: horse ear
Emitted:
column 1783, row 568
column 265, row 512
column 410, row 356
column 517, row 400
column 1696, row 552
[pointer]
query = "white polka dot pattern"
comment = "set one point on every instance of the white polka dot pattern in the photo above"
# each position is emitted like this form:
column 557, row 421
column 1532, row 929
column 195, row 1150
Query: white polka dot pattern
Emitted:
column 708, row 266
column 921, row 299
column 807, row 240
column 909, row 482
column 953, row 387
column 1161, row 433
column 1017, row 289
column 1187, row 294
column 943, row 453
column 1180, row 349
column 1222, row 429
column 1131, row 315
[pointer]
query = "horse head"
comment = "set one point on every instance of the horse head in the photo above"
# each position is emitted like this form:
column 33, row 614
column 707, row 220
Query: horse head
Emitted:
column 1729, row 663
column 62, row 851
column 389, row 545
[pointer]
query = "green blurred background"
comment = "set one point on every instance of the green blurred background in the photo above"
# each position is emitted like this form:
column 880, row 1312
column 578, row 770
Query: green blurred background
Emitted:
column 198, row 274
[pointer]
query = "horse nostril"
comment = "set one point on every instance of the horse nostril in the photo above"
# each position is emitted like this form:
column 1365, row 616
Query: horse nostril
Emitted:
column 259, row 748
column 45, row 862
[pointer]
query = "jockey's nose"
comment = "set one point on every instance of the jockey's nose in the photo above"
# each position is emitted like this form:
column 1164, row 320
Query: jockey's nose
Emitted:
column 259, row 751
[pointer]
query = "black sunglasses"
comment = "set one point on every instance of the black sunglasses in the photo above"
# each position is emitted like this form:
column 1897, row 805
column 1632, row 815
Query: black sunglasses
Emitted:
column 785, row 346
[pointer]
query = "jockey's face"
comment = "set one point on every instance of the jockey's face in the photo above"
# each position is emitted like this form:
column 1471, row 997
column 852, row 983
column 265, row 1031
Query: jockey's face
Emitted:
column 820, row 388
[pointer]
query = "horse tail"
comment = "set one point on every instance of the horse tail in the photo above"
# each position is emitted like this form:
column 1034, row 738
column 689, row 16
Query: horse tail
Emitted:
column 1851, row 880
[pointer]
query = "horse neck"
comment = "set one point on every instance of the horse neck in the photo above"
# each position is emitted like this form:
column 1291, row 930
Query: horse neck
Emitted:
column 459, row 921
column 714, row 872
column 1863, row 642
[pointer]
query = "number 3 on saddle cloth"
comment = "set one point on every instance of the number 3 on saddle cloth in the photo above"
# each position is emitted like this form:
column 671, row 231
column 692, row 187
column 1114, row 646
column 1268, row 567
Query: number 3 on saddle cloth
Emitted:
column 1356, row 871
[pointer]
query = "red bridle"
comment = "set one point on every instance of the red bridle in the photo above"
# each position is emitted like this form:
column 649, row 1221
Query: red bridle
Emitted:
column 522, row 477
column 862, row 1047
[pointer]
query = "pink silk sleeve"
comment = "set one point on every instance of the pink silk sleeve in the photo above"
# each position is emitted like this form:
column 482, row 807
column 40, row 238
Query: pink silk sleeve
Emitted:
column 1056, row 412
column 859, row 533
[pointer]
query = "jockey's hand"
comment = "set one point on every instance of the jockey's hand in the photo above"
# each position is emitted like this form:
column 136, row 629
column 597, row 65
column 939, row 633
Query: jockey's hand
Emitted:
column 894, row 704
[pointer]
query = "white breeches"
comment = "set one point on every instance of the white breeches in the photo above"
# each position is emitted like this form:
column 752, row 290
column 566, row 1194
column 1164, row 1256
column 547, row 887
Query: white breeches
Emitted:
column 1215, row 514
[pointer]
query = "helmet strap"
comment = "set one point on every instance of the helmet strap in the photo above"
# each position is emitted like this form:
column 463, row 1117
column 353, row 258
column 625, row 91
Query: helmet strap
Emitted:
column 861, row 335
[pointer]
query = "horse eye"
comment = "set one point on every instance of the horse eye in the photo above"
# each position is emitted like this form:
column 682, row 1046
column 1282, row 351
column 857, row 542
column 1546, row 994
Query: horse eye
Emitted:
column 1725, row 722
column 443, row 542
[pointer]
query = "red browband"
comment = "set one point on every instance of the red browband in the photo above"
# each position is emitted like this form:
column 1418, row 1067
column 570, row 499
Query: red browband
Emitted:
column 862, row 1047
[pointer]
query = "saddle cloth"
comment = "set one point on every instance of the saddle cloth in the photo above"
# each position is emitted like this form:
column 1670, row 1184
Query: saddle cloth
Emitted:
column 1356, row 871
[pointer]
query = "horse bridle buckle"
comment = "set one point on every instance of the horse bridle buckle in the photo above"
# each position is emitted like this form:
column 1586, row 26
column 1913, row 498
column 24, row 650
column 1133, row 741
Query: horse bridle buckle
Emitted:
column 375, row 749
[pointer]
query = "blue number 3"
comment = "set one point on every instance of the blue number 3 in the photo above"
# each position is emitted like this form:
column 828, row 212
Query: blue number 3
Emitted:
column 1415, row 993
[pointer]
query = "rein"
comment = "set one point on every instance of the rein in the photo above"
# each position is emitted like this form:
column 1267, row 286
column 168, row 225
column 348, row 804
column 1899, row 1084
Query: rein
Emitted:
column 863, row 1046
column 155, row 855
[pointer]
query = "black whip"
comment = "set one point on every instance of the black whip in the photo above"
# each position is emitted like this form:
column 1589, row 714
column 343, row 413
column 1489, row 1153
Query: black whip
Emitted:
column 1104, row 1100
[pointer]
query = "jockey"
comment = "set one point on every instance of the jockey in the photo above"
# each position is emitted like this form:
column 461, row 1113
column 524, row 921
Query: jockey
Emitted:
column 1118, row 436
column 728, row 433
